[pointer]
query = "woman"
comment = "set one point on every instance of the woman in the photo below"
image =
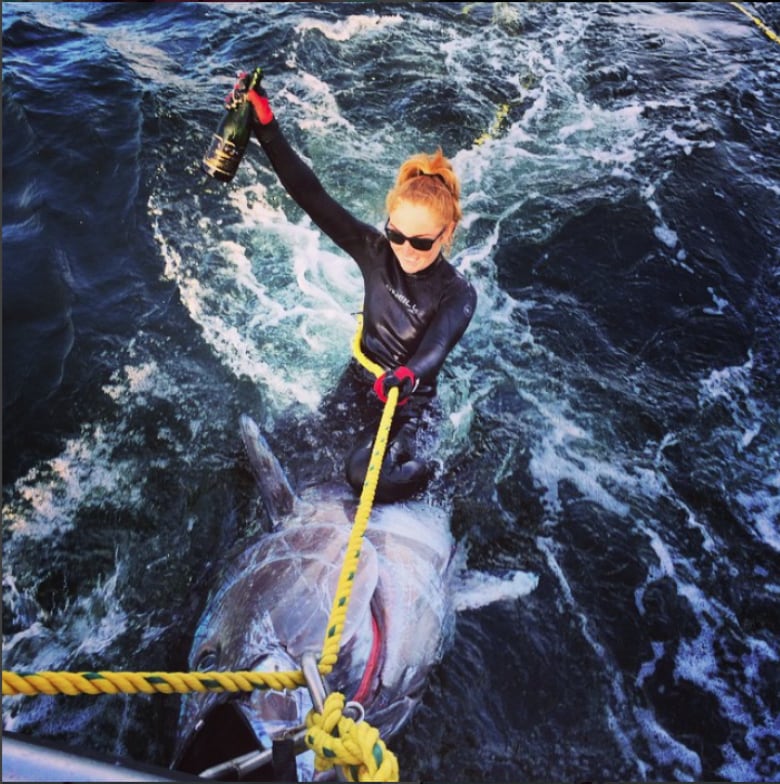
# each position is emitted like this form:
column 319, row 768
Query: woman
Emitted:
column 416, row 305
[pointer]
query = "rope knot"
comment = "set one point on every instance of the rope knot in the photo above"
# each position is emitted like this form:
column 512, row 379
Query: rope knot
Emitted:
column 338, row 740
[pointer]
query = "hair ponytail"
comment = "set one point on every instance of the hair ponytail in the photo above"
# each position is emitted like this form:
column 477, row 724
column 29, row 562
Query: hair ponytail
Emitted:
column 428, row 180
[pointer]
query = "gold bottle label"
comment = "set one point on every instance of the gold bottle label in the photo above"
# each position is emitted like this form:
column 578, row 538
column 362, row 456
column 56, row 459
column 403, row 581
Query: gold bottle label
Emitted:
column 222, row 158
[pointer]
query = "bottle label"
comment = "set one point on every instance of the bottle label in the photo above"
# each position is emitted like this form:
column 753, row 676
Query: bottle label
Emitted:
column 222, row 158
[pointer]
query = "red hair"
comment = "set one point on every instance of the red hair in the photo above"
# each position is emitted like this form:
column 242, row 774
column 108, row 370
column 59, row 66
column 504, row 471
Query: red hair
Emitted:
column 428, row 180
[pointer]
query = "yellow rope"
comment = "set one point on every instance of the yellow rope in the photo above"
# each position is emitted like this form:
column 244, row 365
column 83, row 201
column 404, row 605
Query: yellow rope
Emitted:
column 338, row 613
column 335, row 738
column 95, row 683
column 357, row 350
column 498, row 123
column 502, row 112
column 356, row 747
column 768, row 32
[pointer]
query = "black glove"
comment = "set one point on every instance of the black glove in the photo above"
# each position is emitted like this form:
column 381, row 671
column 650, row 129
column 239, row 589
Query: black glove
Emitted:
column 401, row 377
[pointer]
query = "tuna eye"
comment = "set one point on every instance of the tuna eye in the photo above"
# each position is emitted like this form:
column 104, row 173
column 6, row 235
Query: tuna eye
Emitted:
column 206, row 661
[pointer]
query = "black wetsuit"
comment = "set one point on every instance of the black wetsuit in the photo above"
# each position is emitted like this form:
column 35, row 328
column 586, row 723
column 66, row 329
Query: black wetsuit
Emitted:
column 412, row 320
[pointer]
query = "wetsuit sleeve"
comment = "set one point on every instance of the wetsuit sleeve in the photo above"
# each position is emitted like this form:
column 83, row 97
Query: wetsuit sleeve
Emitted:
column 347, row 231
column 446, row 329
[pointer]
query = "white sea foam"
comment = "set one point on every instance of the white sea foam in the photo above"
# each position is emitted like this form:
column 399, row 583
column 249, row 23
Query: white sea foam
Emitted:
column 349, row 27
column 315, row 103
column 620, row 704
column 586, row 123
column 666, row 235
column 763, row 509
column 719, row 304
column 698, row 661
column 732, row 386
column 562, row 454
column 42, row 650
column 255, row 325
column 724, row 383
column 664, row 555
column 46, row 500
column 88, row 471
column 461, row 418
column 99, row 619
column 666, row 750
column 648, row 667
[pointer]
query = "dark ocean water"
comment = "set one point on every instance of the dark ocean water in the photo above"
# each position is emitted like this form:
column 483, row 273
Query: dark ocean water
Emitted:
column 611, row 416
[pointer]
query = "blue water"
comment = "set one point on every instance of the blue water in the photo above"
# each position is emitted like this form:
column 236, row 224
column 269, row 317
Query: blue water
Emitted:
column 611, row 416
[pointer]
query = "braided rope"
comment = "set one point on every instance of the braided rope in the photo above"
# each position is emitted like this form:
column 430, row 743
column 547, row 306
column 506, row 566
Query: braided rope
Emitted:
column 356, row 747
column 338, row 613
column 96, row 683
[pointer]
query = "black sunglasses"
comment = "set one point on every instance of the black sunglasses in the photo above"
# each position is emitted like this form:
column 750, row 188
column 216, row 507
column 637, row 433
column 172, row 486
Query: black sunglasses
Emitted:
column 418, row 243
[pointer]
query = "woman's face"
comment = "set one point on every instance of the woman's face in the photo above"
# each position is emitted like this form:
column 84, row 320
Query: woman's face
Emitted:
column 418, row 222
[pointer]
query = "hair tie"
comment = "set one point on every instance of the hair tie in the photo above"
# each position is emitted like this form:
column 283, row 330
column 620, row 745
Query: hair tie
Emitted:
column 437, row 175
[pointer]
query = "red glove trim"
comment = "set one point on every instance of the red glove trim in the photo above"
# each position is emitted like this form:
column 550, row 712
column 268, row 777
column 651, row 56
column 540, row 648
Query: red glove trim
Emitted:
column 397, row 378
column 261, row 106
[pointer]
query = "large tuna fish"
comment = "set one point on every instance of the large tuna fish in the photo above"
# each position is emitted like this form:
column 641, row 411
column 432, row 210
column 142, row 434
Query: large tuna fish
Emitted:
column 273, row 602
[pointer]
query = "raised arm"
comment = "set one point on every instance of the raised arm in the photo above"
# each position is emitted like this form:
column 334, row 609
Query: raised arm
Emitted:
column 347, row 231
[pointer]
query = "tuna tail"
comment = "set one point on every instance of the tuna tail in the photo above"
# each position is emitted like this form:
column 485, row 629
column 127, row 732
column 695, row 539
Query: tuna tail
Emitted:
column 275, row 490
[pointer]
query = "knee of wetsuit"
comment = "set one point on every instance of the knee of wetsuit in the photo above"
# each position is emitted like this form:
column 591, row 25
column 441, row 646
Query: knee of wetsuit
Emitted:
column 400, row 451
column 400, row 481
column 403, row 473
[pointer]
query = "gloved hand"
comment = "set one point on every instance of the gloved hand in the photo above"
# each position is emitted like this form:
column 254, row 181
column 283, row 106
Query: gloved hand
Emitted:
column 255, row 95
column 259, row 100
column 401, row 377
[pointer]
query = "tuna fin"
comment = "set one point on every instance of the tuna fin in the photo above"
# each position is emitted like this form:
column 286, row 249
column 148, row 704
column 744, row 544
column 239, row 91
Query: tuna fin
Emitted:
column 275, row 490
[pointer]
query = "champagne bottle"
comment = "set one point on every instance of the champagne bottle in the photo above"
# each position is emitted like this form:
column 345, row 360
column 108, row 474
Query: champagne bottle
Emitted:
column 231, row 138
